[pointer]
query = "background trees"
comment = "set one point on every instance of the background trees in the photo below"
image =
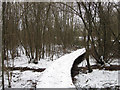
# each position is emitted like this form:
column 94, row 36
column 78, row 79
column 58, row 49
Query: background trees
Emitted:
column 98, row 19
column 42, row 29
column 46, row 29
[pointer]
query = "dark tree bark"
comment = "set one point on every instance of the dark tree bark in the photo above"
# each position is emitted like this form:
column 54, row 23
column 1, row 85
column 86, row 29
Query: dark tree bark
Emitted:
column 3, row 42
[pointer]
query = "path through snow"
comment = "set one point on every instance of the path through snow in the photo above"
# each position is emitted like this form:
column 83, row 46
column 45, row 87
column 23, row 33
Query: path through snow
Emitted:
column 58, row 75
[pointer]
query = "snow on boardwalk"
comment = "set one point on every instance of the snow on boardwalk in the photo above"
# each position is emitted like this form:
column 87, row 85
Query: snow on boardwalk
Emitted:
column 58, row 75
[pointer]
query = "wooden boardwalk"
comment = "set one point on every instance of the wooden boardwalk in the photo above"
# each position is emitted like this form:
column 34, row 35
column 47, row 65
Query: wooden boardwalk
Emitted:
column 58, row 75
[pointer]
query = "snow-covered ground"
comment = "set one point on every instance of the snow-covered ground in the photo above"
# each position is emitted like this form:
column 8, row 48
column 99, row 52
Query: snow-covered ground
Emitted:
column 84, row 62
column 97, row 79
column 27, row 79
column 57, row 74
column 93, row 62
column 23, row 62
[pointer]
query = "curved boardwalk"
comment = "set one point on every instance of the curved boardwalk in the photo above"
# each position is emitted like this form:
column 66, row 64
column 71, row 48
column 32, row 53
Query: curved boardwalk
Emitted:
column 58, row 75
column 75, row 69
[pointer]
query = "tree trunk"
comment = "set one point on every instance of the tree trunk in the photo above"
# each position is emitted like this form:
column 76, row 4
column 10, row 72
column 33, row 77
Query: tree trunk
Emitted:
column 3, row 42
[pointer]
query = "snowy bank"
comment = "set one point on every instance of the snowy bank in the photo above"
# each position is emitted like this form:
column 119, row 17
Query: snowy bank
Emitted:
column 58, row 75
column 97, row 79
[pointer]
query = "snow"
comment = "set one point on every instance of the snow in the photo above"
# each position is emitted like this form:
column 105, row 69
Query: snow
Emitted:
column 115, row 62
column 27, row 79
column 23, row 62
column 24, row 79
column 97, row 79
column 93, row 62
column 84, row 62
column 58, row 75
